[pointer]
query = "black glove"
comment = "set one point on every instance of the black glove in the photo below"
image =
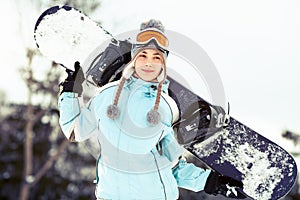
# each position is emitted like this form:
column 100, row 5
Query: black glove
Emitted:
column 224, row 185
column 73, row 83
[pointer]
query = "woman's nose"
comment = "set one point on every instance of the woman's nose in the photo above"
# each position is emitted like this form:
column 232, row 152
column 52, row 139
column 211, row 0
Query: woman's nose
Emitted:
column 148, row 64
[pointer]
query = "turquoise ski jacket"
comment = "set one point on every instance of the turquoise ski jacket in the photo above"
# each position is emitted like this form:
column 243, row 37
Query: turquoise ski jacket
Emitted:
column 137, row 161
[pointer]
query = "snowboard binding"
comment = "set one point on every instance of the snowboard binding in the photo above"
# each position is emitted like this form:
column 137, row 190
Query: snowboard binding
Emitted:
column 200, row 121
column 109, row 64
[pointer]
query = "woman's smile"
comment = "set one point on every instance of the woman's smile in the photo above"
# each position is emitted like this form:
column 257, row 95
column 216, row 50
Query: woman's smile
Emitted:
column 147, row 70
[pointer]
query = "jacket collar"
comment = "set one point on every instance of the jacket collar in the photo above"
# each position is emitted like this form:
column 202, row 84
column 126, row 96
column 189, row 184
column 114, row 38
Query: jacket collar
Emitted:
column 133, row 82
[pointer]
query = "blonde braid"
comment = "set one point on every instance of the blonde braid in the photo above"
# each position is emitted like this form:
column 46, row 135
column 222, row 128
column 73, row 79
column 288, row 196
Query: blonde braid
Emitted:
column 153, row 116
column 122, row 82
column 157, row 100
column 113, row 111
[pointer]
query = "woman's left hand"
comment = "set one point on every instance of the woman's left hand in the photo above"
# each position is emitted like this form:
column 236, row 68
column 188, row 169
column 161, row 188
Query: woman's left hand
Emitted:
column 219, row 184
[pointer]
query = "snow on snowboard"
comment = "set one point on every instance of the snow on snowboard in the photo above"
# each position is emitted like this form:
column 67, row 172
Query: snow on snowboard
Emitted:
column 65, row 35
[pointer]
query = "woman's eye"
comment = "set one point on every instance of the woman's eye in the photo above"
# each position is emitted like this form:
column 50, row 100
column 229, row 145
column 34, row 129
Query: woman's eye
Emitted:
column 157, row 58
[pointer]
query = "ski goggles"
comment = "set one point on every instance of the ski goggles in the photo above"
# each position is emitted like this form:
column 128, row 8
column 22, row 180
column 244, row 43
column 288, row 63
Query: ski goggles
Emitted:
column 151, row 39
column 146, row 36
column 152, row 44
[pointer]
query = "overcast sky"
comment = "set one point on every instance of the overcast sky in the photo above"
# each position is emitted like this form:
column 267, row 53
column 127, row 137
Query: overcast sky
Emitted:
column 254, row 45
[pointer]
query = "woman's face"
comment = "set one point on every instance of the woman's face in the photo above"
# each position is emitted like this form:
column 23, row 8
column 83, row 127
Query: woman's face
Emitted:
column 148, row 64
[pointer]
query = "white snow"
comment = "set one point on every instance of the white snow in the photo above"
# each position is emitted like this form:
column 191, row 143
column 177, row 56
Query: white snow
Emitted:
column 208, row 146
column 76, row 34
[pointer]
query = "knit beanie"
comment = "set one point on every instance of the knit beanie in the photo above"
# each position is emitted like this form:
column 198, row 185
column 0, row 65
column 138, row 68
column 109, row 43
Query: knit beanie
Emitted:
column 151, row 36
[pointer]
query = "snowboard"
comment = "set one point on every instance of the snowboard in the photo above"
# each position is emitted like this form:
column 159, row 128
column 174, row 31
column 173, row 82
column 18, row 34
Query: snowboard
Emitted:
column 65, row 35
column 266, row 169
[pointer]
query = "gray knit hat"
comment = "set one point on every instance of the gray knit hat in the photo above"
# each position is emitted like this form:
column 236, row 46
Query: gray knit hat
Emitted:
column 151, row 36
column 151, row 29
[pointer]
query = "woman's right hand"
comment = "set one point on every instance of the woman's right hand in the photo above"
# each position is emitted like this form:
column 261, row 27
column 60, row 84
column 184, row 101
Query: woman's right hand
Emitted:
column 74, row 80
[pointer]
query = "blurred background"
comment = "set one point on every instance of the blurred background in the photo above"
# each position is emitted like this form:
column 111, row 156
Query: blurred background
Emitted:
column 254, row 45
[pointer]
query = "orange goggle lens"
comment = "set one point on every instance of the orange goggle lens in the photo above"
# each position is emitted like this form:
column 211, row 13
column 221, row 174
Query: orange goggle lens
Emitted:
column 147, row 35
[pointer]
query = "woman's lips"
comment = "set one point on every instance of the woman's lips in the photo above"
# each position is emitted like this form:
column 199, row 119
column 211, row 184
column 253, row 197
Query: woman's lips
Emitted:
column 147, row 70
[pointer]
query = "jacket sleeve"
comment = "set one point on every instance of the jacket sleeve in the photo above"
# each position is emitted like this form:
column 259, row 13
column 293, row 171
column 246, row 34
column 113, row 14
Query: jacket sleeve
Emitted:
column 189, row 176
column 75, row 120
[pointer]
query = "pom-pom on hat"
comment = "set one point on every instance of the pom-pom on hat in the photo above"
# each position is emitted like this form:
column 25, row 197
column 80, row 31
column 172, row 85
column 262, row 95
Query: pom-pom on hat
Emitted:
column 151, row 36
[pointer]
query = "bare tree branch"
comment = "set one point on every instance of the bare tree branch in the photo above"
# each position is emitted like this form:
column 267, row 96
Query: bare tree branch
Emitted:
column 50, row 162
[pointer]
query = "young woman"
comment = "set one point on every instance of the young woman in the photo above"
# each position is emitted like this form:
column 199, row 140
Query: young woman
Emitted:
column 133, row 120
